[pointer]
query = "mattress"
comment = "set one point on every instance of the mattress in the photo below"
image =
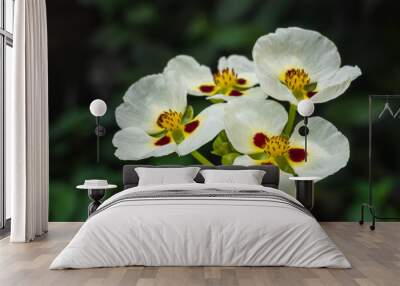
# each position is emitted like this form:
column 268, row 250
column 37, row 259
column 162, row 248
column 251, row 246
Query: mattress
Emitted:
column 201, row 225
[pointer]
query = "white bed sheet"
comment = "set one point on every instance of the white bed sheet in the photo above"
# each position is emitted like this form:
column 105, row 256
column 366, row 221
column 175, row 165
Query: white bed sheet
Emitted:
column 200, row 231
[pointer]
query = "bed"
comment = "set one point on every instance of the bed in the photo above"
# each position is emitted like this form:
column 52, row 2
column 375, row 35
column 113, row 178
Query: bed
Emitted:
column 197, row 224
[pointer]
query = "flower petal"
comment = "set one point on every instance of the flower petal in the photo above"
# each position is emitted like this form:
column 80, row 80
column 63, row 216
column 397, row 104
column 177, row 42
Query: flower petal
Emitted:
column 290, row 48
column 245, row 118
column 286, row 185
column 146, row 99
column 245, row 160
column 272, row 86
column 296, row 47
column 127, row 116
column 336, row 84
column 238, row 62
column 135, row 144
column 193, row 74
column 208, row 124
column 327, row 151
column 251, row 93
column 242, row 66
column 255, row 93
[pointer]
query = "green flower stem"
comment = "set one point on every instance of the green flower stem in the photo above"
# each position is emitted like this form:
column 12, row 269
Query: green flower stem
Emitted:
column 292, row 117
column 199, row 157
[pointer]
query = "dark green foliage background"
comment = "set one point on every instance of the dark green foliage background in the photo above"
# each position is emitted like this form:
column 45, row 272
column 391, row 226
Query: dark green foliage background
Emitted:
column 97, row 48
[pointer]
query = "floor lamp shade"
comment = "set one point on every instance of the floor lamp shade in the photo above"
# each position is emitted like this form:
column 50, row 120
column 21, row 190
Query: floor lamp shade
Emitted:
column 305, row 107
column 98, row 107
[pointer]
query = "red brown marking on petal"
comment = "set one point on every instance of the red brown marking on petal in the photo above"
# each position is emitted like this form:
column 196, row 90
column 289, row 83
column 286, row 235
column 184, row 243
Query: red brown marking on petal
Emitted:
column 297, row 154
column 241, row 81
column 235, row 93
column 311, row 94
column 163, row 141
column 206, row 88
column 191, row 126
column 260, row 140
column 266, row 163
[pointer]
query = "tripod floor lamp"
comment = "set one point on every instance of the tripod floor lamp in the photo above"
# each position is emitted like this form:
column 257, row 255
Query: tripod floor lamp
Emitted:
column 98, row 108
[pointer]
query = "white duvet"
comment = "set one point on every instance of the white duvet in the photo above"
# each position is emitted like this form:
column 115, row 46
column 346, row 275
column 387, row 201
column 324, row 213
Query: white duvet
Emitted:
column 200, row 231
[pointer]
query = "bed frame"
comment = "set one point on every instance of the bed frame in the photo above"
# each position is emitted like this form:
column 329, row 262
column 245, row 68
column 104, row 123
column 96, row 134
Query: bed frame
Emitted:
column 271, row 177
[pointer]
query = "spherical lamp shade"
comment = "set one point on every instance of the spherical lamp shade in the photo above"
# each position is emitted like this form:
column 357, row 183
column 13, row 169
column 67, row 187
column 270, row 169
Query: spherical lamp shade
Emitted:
column 98, row 107
column 305, row 107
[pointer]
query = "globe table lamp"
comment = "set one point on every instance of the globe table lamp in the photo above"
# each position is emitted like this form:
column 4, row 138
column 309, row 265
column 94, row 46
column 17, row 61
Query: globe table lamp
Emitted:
column 98, row 108
column 305, row 108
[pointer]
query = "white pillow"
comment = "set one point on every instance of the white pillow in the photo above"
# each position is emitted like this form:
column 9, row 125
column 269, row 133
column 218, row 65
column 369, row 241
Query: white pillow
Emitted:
column 166, row 176
column 247, row 177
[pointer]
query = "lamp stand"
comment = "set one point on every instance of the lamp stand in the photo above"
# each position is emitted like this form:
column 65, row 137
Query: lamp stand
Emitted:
column 303, row 131
column 100, row 131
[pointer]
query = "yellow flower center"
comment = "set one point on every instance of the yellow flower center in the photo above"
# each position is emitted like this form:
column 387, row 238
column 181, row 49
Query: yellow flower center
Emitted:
column 169, row 120
column 277, row 146
column 296, row 79
column 278, row 151
column 226, row 82
column 225, row 78
column 299, row 82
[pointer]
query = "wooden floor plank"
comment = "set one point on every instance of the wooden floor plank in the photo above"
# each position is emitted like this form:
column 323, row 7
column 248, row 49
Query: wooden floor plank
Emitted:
column 375, row 257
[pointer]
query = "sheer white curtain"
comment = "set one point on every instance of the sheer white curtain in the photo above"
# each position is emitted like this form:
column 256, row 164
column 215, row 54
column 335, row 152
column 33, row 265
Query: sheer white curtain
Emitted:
column 27, row 124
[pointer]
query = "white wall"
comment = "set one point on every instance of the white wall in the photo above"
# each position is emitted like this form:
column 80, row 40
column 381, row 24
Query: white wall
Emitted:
column 8, row 85
column 9, row 26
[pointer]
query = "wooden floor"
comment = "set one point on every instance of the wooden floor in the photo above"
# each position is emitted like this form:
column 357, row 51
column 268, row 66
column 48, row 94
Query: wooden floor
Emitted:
column 375, row 257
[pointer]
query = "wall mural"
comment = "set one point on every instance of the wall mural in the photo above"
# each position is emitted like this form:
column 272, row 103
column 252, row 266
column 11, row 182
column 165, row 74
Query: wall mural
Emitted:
column 245, row 119
column 122, row 41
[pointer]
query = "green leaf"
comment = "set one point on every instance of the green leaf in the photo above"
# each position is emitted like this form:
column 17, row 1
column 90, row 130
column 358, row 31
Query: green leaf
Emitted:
column 298, row 94
column 228, row 159
column 240, row 88
column 188, row 116
column 224, row 136
column 284, row 165
column 259, row 156
column 178, row 136
column 217, row 100
column 235, row 36
column 310, row 87
column 159, row 134
column 221, row 145
column 226, row 12
column 222, row 90
column 141, row 14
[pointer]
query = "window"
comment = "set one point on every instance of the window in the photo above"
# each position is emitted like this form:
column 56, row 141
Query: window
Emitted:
column 6, row 62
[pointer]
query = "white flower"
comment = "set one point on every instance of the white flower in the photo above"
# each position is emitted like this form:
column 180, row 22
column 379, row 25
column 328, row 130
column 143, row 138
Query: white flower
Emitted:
column 294, row 64
column 156, row 121
column 234, row 79
column 254, row 128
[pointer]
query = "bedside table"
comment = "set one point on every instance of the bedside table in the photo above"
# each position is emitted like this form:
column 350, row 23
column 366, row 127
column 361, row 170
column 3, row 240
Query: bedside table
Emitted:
column 305, row 190
column 96, row 190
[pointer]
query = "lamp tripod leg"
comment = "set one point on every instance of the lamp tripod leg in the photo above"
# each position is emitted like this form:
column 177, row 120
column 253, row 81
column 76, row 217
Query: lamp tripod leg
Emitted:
column 97, row 140
column 361, row 222
column 305, row 138
column 98, row 147
column 372, row 226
